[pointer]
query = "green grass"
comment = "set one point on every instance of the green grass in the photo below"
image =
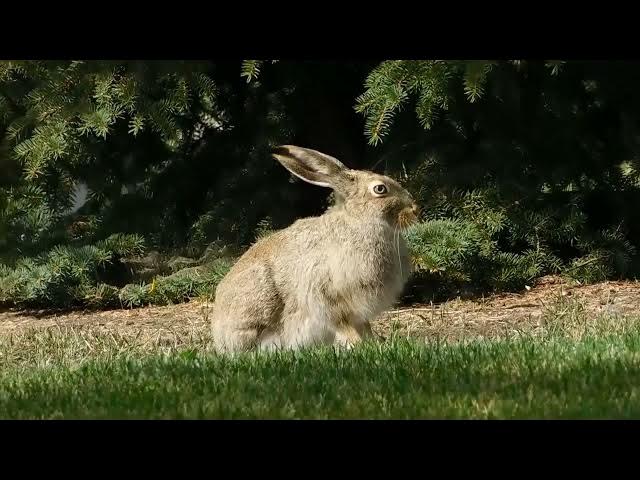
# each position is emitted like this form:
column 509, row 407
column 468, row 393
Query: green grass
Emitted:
column 543, row 377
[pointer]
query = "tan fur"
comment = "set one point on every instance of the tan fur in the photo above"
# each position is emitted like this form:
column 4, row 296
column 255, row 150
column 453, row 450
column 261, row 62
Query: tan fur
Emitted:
column 323, row 279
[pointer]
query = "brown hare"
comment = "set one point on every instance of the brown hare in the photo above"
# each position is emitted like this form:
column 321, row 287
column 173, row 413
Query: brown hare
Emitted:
column 322, row 279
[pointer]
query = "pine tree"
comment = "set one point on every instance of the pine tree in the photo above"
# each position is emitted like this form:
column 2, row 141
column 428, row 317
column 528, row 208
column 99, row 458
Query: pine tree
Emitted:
column 522, row 168
column 522, row 151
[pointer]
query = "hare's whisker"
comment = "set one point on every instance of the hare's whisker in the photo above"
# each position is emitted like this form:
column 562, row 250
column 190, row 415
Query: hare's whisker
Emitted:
column 397, row 240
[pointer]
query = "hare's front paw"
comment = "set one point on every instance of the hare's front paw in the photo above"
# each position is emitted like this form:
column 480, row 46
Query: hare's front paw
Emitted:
column 342, row 347
column 347, row 337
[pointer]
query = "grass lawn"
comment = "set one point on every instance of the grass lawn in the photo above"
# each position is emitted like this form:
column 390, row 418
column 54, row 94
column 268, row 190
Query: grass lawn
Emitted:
column 63, row 375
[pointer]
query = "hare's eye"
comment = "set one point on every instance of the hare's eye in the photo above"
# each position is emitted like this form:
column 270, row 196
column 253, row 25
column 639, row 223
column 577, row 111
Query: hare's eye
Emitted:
column 379, row 189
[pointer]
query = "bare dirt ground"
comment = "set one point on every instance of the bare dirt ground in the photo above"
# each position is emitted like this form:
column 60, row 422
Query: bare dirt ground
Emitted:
column 490, row 317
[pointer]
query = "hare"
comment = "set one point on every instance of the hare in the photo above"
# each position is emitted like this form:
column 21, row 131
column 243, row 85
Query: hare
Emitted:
column 323, row 279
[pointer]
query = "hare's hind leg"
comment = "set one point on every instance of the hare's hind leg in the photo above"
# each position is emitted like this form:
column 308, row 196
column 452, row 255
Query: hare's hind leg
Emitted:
column 246, row 332
column 269, row 341
column 247, row 305
column 227, row 337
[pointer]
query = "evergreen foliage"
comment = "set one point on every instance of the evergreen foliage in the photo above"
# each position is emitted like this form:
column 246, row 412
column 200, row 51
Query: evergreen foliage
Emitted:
column 95, row 276
column 68, row 276
column 178, row 287
column 522, row 168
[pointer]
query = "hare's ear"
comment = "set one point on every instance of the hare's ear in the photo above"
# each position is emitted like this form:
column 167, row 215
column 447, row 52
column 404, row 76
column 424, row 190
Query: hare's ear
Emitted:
column 310, row 165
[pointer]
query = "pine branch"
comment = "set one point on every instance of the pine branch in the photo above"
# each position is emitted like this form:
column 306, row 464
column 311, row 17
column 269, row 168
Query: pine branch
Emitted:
column 555, row 66
column 475, row 76
column 251, row 69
